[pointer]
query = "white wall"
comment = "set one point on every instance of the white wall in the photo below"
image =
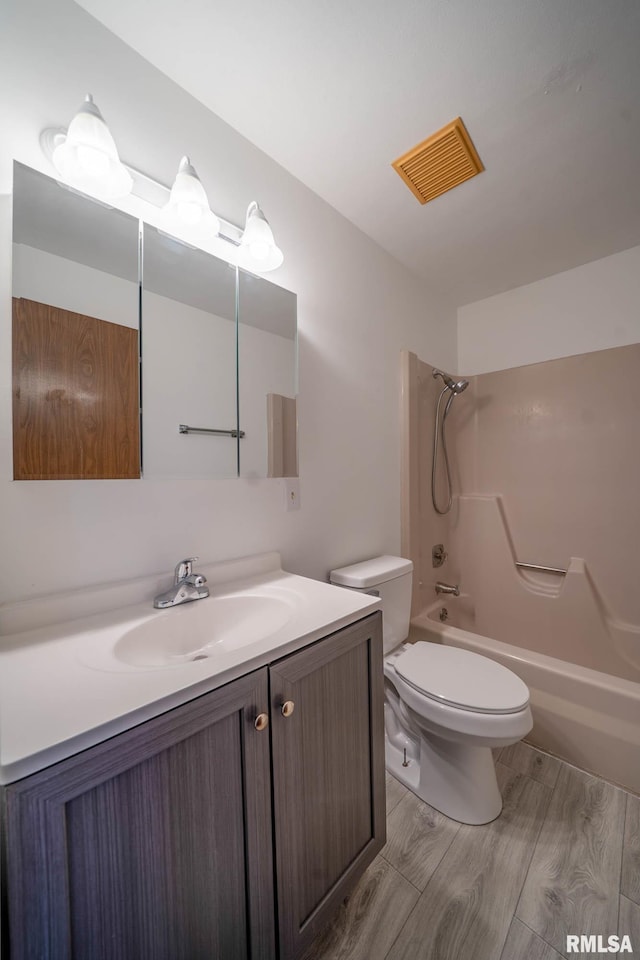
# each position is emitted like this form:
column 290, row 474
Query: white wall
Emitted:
column 592, row 307
column 189, row 376
column 357, row 308
column 63, row 283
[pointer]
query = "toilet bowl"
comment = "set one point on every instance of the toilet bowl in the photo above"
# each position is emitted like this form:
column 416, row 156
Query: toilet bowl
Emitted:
column 445, row 708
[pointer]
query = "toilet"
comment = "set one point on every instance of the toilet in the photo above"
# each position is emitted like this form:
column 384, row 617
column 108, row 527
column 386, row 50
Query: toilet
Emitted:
column 445, row 708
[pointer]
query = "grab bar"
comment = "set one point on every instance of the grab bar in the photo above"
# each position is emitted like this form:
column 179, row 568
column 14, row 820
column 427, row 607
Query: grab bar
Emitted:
column 183, row 428
column 537, row 566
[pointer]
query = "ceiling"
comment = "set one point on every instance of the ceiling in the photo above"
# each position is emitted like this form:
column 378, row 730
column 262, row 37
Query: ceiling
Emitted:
column 334, row 90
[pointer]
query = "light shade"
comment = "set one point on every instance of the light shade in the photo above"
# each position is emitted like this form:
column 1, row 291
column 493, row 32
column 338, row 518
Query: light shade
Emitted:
column 258, row 251
column 87, row 157
column 188, row 201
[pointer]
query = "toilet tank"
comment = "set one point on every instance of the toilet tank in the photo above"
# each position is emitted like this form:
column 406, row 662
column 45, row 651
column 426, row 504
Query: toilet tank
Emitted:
column 390, row 579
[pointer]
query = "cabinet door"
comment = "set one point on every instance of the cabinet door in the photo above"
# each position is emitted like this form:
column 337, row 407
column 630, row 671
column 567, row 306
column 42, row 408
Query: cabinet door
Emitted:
column 155, row 845
column 76, row 400
column 328, row 773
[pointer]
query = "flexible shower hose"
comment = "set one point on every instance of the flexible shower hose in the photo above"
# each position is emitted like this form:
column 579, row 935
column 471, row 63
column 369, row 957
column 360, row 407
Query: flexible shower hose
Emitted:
column 434, row 459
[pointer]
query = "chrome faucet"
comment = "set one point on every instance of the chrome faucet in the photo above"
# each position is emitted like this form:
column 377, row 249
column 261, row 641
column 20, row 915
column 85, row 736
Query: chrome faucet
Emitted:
column 449, row 588
column 187, row 586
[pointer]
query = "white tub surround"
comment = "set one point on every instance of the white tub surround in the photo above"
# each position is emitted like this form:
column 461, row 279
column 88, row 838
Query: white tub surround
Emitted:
column 564, row 615
column 584, row 716
column 66, row 684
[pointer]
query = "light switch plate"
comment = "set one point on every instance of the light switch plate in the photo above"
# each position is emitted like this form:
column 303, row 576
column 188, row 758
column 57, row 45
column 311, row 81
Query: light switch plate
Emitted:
column 292, row 493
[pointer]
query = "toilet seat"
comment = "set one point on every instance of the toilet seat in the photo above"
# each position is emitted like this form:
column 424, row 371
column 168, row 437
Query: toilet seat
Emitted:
column 461, row 679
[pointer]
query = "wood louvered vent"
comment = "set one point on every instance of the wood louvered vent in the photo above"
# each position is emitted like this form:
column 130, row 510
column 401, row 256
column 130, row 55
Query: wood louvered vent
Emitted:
column 440, row 163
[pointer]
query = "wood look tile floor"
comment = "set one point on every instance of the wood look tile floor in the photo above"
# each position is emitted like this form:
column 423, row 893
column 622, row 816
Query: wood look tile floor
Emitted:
column 562, row 858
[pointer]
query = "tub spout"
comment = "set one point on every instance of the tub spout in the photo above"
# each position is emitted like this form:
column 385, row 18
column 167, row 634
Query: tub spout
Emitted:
column 448, row 588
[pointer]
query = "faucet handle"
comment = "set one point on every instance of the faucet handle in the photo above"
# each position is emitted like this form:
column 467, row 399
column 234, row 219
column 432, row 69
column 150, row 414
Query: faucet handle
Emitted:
column 184, row 569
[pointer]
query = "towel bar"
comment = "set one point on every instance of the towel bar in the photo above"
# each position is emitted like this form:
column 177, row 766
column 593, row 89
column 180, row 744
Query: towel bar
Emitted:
column 183, row 428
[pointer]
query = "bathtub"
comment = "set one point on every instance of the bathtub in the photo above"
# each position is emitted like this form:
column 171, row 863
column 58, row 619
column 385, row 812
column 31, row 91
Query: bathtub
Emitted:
column 589, row 718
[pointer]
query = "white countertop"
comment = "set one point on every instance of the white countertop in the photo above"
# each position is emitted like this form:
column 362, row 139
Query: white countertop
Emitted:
column 62, row 689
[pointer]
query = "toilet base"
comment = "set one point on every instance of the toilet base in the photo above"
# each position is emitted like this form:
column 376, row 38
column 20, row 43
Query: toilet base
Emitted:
column 457, row 779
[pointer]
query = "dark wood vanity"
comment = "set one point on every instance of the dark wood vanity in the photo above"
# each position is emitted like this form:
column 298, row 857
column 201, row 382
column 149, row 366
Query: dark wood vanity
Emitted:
column 231, row 827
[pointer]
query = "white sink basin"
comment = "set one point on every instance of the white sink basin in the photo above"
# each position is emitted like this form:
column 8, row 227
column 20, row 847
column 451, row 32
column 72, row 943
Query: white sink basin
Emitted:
column 200, row 629
column 72, row 676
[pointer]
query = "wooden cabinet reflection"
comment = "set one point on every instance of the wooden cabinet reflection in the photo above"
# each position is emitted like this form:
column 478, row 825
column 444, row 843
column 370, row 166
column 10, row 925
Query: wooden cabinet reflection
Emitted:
column 75, row 396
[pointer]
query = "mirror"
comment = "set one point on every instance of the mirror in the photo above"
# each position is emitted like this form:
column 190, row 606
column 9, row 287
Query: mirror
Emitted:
column 267, row 387
column 189, row 381
column 114, row 377
column 75, row 335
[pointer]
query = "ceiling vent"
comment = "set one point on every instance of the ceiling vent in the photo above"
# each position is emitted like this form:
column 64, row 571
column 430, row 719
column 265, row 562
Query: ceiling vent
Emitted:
column 440, row 163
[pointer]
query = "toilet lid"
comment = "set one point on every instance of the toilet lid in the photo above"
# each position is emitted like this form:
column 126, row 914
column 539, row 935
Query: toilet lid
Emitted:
column 461, row 678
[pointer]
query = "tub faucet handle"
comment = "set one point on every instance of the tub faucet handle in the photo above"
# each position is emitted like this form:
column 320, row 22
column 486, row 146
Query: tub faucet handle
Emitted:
column 438, row 555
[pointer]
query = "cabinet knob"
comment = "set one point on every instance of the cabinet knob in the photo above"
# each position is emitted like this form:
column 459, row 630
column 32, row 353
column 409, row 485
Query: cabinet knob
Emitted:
column 287, row 708
column 262, row 721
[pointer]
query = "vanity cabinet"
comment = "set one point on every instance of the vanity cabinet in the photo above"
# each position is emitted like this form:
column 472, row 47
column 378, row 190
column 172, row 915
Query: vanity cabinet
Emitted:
column 155, row 844
column 163, row 843
column 328, row 776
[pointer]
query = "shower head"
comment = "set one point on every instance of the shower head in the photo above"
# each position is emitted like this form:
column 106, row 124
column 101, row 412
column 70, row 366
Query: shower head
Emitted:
column 456, row 386
column 459, row 386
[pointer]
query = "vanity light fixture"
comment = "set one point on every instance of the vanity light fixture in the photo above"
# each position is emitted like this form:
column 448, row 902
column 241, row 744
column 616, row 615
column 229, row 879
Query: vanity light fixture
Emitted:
column 188, row 201
column 87, row 157
column 258, row 251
